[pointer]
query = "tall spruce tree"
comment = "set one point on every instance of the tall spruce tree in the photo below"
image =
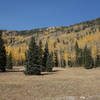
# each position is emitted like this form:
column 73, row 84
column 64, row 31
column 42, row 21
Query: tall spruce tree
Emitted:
column 49, row 63
column 45, row 57
column 56, row 59
column 2, row 54
column 88, row 60
column 33, row 63
column 41, row 53
column 9, row 61
column 79, row 55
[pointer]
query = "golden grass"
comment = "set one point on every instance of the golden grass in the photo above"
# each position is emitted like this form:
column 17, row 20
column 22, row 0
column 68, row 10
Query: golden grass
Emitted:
column 57, row 85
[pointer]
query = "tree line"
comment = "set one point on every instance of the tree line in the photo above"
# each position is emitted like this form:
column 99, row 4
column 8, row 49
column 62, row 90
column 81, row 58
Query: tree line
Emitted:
column 39, row 60
column 36, row 62
column 84, row 58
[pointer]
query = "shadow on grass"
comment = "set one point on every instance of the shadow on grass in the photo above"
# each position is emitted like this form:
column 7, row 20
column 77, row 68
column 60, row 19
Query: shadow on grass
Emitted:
column 14, row 70
column 50, row 73
column 42, row 73
column 56, row 70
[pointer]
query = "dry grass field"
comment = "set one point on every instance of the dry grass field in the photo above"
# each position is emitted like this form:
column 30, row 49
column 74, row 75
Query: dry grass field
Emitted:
column 62, row 84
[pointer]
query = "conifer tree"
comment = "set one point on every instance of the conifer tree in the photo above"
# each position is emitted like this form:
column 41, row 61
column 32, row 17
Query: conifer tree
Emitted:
column 56, row 59
column 49, row 63
column 45, row 57
column 52, row 59
column 2, row 54
column 41, row 53
column 69, row 62
column 88, row 60
column 33, row 65
column 97, row 60
column 9, row 61
column 79, row 55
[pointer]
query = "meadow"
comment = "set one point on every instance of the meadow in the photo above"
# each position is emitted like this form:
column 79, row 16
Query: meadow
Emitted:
column 61, row 84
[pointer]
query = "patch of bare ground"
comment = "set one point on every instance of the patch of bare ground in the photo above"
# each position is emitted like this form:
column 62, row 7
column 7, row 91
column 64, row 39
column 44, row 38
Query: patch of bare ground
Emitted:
column 62, row 84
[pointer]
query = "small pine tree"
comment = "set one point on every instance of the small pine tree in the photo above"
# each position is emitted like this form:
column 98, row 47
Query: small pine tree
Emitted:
column 56, row 59
column 69, row 62
column 79, row 55
column 88, row 60
column 52, row 59
column 2, row 54
column 45, row 57
column 97, row 60
column 32, row 65
column 9, row 61
column 49, row 63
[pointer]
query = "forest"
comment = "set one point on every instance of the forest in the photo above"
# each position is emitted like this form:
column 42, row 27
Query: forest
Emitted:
column 72, row 46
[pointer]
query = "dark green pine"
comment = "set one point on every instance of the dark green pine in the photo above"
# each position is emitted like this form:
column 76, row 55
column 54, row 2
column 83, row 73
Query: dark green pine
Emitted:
column 45, row 57
column 97, row 61
column 49, row 63
column 40, row 53
column 9, row 61
column 32, row 65
column 88, row 60
column 2, row 54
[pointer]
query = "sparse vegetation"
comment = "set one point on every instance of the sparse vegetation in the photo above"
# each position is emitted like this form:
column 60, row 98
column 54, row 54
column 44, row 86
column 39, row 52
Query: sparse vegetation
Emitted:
column 75, row 82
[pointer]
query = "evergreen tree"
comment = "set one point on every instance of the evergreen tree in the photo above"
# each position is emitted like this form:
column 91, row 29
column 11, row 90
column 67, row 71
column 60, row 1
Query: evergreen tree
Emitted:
column 33, row 65
column 52, row 59
column 41, row 53
column 49, row 63
column 2, row 54
column 56, row 59
column 88, row 60
column 45, row 57
column 69, row 62
column 97, row 61
column 79, row 55
column 9, row 61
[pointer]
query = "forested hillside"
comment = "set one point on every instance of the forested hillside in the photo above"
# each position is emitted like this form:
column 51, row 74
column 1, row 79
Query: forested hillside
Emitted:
column 61, row 41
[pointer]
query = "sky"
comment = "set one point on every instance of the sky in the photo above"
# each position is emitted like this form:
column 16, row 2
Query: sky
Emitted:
column 31, row 14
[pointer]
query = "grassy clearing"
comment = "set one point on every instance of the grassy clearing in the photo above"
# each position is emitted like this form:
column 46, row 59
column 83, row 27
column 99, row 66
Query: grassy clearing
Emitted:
column 57, row 85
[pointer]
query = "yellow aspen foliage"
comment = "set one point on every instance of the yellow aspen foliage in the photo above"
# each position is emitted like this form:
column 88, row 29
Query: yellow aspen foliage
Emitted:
column 89, row 39
column 66, row 55
column 94, row 51
column 46, row 33
column 18, row 54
